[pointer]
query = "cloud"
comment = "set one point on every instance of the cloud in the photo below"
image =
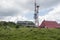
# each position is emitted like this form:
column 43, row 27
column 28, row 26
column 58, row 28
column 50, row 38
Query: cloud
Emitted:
column 13, row 6
column 47, row 3
column 13, row 18
column 52, row 15
column 12, row 10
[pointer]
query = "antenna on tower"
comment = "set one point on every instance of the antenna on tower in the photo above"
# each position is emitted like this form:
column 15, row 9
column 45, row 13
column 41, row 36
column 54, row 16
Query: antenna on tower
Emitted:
column 36, row 14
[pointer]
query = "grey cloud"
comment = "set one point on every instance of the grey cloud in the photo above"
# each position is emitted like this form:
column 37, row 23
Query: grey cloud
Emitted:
column 48, row 3
column 8, row 12
column 42, row 3
column 29, row 5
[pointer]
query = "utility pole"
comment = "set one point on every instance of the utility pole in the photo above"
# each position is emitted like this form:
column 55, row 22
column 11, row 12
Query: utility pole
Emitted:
column 36, row 14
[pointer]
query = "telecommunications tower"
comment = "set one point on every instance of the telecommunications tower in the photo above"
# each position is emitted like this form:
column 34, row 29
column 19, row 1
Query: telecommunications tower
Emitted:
column 36, row 11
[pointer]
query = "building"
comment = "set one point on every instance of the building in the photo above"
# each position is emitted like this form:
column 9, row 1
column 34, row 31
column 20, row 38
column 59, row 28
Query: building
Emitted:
column 26, row 23
column 49, row 24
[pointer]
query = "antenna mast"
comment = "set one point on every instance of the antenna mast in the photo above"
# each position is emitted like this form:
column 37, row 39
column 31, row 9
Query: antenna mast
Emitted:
column 36, row 14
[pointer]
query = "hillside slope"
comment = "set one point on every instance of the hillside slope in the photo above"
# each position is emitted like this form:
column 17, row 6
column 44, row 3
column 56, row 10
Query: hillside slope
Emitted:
column 29, row 34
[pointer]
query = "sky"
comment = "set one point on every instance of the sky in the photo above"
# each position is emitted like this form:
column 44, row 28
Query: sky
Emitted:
column 23, row 10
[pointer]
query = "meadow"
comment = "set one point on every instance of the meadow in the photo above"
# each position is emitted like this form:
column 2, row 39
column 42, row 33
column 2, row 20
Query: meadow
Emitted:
column 29, row 34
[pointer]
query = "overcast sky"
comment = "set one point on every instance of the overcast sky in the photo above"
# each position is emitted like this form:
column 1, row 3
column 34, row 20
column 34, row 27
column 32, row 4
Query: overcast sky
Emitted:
column 18, row 10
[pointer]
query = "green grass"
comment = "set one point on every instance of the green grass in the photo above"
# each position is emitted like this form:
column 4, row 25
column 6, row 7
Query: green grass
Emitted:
column 29, row 34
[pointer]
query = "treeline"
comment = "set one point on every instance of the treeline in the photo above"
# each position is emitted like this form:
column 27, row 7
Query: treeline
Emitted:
column 5, row 24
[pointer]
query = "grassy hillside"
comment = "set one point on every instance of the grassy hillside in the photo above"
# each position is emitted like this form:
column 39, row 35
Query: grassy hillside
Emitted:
column 29, row 34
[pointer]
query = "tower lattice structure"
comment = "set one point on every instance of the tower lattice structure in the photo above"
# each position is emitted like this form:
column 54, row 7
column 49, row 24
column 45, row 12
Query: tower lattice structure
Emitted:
column 36, row 14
